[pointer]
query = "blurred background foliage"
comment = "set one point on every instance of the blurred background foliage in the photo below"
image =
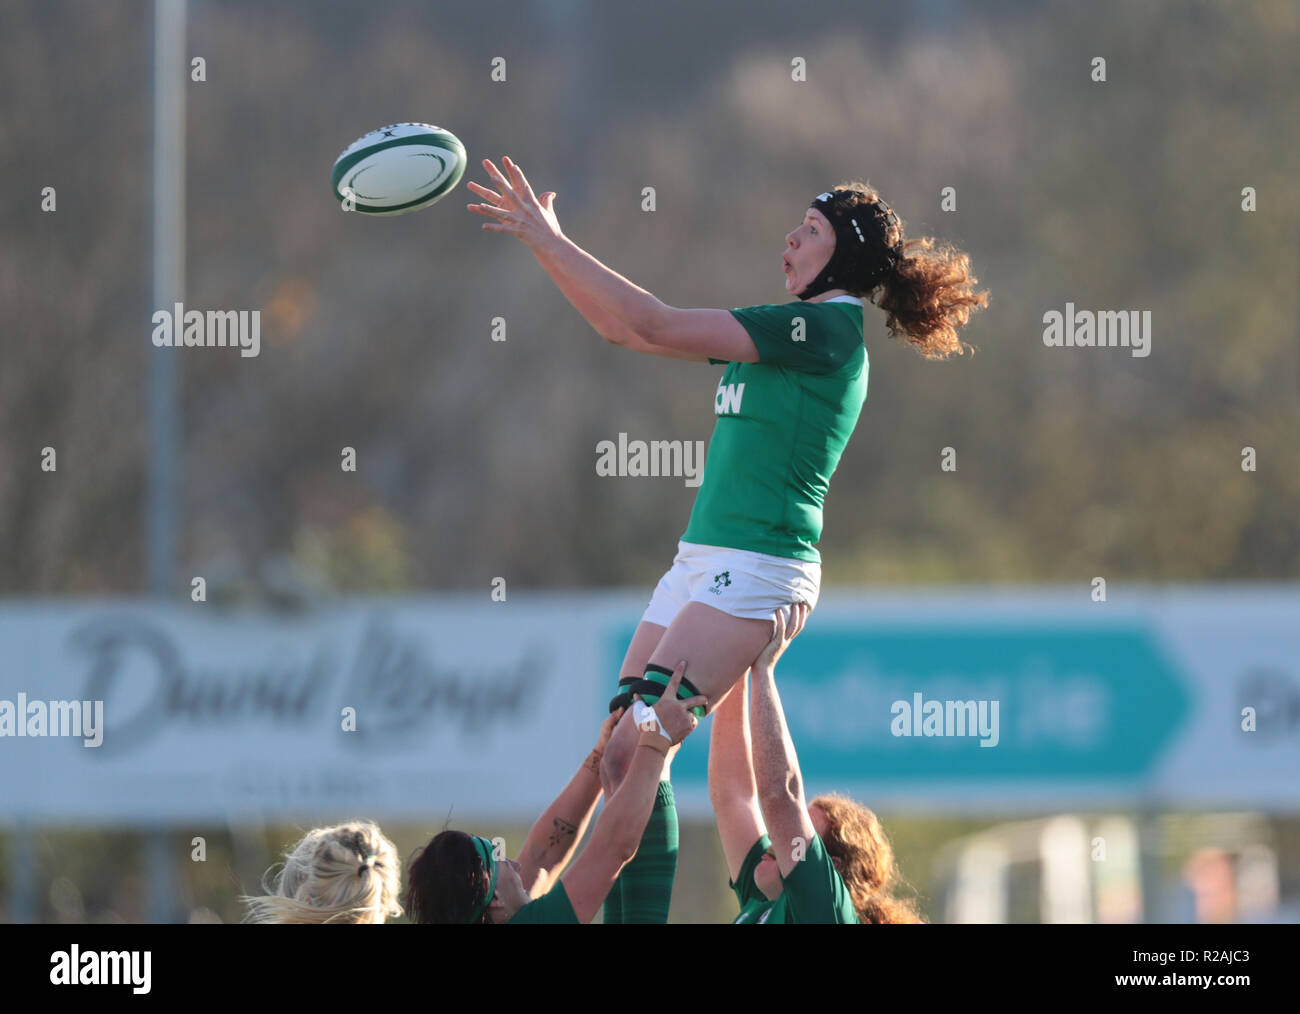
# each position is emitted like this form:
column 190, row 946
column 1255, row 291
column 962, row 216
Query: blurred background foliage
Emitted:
column 476, row 458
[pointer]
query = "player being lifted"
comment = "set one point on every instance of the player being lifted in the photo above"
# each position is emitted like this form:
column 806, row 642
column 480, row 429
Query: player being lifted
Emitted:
column 788, row 401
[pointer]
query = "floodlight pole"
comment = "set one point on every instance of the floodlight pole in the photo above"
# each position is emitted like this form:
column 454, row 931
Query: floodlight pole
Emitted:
column 168, row 289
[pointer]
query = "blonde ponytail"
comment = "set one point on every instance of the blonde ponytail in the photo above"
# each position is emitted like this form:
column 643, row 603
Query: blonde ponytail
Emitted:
column 349, row 873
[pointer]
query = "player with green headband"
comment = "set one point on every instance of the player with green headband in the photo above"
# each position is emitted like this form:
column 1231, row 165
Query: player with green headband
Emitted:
column 463, row 878
column 786, row 405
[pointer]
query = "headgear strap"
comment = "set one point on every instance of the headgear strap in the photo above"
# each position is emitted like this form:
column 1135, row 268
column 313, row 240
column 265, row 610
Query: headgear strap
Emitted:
column 858, row 255
column 485, row 851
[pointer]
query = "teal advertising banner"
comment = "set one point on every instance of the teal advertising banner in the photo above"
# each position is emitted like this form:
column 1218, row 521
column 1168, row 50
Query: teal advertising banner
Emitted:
column 1004, row 701
column 971, row 704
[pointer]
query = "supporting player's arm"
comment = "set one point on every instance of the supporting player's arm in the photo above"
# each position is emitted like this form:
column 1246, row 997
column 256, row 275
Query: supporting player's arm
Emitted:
column 732, row 788
column 776, row 766
column 555, row 836
column 622, row 823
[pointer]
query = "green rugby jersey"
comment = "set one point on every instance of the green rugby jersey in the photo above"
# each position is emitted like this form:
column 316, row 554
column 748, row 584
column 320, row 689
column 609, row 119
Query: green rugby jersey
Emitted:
column 551, row 908
column 814, row 892
column 782, row 425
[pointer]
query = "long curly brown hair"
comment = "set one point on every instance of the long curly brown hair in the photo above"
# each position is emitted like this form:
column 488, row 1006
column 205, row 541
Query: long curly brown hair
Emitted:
column 930, row 294
column 867, row 865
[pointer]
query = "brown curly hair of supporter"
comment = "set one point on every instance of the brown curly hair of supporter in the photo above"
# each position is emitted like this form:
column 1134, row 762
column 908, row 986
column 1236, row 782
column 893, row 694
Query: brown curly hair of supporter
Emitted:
column 930, row 294
column 866, row 861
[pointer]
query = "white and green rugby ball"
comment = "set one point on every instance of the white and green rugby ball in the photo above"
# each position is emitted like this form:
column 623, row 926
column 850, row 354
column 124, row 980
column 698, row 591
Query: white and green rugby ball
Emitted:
column 398, row 168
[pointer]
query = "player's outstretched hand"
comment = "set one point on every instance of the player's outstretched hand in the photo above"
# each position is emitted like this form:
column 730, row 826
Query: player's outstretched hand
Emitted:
column 781, row 638
column 674, row 716
column 515, row 208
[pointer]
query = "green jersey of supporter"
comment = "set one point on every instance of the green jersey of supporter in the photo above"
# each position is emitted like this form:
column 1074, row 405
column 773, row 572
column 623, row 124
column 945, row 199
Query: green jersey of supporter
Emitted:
column 814, row 892
column 551, row 908
column 782, row 424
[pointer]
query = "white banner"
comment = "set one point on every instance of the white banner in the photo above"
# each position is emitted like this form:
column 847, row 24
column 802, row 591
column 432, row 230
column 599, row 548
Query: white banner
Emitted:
column 413, row 708
column 481, row 707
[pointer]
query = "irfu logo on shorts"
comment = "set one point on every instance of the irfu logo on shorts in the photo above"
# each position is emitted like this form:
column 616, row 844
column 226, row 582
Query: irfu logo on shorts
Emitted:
column 720, row 581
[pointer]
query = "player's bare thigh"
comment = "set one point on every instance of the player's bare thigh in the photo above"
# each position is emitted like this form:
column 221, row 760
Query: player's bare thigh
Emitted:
column 645, row 639
column 717, row 647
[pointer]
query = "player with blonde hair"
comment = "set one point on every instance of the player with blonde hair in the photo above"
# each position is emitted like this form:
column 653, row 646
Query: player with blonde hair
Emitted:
column 349, row 873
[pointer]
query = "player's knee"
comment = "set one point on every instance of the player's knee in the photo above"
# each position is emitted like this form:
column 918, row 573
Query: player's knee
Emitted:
column 614, row 763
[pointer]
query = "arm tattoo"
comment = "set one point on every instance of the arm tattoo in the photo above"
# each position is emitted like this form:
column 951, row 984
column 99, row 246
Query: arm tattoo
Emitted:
column 592, row 763
column 563, row 831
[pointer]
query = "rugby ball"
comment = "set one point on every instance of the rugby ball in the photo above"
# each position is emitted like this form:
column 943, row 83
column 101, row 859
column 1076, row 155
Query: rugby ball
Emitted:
column 398, row 168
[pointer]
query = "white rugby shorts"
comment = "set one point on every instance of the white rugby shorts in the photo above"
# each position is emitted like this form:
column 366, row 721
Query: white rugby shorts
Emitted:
column 741, row 583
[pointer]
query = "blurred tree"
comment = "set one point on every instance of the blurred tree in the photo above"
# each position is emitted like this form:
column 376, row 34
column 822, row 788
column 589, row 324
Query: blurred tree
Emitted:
column 476, row 458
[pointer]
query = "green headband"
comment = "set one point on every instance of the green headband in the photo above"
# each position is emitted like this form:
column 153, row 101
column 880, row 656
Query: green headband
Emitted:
column 485, row 851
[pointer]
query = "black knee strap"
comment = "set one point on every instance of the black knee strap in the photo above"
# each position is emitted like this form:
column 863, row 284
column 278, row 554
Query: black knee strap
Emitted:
column 623, row 699
column 630, row 685
column 646, row 687
column 652, row 690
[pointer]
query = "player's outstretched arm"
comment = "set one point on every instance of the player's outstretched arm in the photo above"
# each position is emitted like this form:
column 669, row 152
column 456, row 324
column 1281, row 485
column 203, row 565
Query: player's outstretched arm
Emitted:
column 732, row 788
column 556, row 834
column 618, row 832
column 606, row 324
column 628, row 314
column 776, row 767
